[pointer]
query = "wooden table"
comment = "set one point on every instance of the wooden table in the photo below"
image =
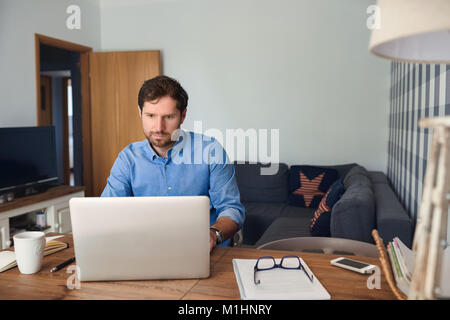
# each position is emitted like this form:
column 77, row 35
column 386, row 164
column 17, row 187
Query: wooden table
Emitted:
column 340, row 283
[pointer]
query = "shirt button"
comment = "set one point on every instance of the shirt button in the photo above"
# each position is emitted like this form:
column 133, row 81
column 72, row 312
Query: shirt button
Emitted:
column 170, row 188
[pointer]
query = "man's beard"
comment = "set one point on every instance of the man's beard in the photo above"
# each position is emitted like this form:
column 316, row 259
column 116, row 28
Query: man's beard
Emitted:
column 162, row 142
column 164, row 139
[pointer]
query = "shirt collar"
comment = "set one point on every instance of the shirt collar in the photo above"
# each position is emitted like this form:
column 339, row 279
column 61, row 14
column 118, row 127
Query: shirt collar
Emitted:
column 177, row 146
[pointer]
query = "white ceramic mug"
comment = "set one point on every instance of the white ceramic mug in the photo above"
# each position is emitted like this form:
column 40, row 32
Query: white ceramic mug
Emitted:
column 29, row 248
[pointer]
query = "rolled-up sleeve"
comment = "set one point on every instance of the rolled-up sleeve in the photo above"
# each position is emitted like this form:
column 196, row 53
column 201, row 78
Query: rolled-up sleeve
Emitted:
column 118, row 183
column 224, row 192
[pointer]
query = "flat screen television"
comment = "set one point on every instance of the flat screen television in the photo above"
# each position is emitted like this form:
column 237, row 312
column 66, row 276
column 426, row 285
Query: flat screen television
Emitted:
column 27, row 160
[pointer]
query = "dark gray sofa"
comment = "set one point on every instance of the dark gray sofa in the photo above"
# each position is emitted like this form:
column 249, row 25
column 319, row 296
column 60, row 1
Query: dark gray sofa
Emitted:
column 368, row 203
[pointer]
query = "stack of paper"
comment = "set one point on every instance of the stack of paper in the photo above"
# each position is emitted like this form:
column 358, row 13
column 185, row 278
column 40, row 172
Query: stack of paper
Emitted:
column 8, row 258
column 277, row 283
column 402, row 262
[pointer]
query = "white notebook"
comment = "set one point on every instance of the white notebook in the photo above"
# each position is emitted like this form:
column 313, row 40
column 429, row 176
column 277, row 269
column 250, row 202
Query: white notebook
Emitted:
column 277, row 284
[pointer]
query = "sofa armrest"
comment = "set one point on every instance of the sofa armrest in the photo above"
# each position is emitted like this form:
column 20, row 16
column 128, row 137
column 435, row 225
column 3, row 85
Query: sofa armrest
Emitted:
column 392, row 219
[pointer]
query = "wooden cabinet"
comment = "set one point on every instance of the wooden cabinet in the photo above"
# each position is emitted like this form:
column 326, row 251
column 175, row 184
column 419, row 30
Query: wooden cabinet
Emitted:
column 54, row 201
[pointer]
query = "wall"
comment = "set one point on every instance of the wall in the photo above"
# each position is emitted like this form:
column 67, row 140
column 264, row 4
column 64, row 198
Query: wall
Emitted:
column 300, row 66
column 19, row 21
column 417, row 91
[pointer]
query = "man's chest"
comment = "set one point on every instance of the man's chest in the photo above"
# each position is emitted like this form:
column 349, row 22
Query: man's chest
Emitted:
column 170, row 179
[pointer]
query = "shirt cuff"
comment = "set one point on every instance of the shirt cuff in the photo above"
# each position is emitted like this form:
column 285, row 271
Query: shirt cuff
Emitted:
column 234, row 215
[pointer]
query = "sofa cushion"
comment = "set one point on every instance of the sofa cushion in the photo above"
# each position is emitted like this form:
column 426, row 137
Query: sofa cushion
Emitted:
column 357, row 176
column 293, row 211
column 353, row 216
column 308, row 185
column 258, row 217
column 286, row 227
column 320, row 223
column 253, row 186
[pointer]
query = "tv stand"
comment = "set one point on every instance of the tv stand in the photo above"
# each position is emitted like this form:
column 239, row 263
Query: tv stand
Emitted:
column 30, row 191
column 55, row 202
column 23, row 192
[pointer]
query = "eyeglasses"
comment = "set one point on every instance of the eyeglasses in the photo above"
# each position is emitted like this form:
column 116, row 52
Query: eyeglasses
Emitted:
column 290, row 262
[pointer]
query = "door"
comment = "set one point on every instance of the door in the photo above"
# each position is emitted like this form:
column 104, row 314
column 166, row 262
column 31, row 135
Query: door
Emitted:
column 115, row 80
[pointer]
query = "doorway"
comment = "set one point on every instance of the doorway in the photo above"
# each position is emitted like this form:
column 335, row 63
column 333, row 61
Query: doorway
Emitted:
column 60, row 103
column 59, row 69
column 57, row 110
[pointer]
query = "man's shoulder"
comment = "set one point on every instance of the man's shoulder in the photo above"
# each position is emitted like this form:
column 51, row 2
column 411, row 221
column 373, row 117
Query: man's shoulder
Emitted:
column 134, row 149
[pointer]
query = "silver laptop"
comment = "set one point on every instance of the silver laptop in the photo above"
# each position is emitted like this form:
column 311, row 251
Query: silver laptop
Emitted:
column 140, row 238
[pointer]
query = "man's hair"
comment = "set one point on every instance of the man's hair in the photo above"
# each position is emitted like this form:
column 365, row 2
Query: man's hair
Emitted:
column 162, row 86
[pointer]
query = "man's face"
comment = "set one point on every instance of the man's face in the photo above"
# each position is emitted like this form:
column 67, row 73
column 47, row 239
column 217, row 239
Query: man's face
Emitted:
column 160, row 118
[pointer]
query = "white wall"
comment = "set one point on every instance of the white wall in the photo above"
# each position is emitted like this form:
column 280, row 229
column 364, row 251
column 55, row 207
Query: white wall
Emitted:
column 301, row 66
column 19, row 21
column 298, row 65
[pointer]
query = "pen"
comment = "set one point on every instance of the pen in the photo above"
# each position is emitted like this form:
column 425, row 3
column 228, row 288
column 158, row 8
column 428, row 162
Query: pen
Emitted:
column 62, row 265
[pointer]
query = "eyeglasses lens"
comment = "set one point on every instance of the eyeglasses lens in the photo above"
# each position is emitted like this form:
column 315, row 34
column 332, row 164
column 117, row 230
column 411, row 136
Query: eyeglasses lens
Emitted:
column 266, row 263
column 291, row 263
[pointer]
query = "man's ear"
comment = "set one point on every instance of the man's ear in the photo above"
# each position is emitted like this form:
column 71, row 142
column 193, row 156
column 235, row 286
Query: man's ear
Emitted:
column 140, row 112
column 183, row 116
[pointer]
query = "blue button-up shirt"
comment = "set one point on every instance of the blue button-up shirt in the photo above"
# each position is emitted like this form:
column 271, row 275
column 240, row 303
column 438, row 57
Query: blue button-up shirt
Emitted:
column 195, row 165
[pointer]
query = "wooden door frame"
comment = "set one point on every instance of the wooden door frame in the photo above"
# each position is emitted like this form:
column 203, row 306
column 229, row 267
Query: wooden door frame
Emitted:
column 45, row 118
column 65, row 113
column 85, row 97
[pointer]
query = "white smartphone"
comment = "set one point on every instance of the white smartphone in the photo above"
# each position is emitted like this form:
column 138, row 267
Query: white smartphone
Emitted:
column 353, row 265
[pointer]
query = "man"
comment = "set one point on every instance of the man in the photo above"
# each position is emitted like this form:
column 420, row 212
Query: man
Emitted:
column 167, row 162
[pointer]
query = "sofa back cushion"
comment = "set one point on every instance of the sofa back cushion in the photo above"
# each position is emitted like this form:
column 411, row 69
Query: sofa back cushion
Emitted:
column 308, row 185
column 358, row 175
column 354, row 215
column 342, row 169
column 255, row 187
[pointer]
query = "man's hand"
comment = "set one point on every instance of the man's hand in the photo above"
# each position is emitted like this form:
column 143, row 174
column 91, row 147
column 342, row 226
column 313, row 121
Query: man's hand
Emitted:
column 228, row 228
column 212, row 240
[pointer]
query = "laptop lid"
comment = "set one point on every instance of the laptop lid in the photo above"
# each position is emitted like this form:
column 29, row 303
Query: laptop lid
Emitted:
column 139, row 238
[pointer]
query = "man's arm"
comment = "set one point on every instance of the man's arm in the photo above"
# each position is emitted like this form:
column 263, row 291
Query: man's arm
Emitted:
column 228, row 228
column 224, row 195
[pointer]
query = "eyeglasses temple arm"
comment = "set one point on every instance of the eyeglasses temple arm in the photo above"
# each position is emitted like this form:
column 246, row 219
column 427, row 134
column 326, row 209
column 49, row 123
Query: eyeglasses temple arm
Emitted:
column 310, row 277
